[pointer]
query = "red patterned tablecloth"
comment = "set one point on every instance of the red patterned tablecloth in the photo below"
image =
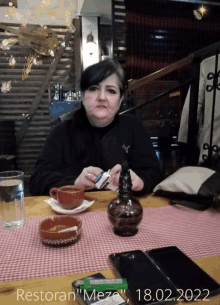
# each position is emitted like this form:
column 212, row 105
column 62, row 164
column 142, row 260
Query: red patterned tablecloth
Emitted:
column 23, row 256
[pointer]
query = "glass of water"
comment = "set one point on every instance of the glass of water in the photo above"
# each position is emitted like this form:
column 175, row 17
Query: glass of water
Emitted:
column 12, row 199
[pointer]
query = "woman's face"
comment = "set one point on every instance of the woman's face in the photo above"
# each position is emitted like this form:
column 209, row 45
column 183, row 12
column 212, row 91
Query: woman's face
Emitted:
column 102, row 101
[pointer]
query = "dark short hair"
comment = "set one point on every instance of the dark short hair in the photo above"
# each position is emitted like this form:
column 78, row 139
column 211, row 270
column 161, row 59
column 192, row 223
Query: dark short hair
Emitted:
column 98, row 72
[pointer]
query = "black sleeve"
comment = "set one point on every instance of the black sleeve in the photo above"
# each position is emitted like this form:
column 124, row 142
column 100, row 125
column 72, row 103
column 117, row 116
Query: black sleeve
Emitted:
column 50, row 169
column 143, row 160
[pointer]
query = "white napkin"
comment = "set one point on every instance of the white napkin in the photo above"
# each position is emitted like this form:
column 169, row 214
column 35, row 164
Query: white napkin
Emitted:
column 57, row 208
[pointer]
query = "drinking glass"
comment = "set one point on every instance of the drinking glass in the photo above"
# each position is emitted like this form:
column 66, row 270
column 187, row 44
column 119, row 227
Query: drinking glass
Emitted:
column 12, row 199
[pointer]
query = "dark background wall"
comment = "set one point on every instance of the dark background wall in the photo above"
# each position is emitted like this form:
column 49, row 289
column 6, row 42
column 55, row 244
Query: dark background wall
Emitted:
column 160, row 32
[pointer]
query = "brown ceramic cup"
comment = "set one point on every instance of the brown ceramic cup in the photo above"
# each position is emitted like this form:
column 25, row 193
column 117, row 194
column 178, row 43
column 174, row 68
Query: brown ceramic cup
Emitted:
column 69, row 197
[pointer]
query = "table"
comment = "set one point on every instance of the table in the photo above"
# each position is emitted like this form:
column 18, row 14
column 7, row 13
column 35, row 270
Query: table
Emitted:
column 58, row 108
column 36, row 207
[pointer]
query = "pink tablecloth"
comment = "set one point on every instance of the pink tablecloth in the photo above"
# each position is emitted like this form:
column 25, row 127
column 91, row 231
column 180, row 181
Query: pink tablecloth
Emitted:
column 23, row 256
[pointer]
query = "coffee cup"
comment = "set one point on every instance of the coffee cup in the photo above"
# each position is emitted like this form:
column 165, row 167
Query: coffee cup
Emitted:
column 69, row 197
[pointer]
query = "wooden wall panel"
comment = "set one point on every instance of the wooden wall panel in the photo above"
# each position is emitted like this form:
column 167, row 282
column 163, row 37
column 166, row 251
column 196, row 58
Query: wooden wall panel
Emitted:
column 15, row 105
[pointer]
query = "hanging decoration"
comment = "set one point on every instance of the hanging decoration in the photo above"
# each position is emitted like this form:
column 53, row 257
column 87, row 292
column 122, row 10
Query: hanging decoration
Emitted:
column 37, row 62
column 7, row 43
column 44, row 7
column 43, row 40
column 27, row 66
column 6, row 86
column 12, row 13
column 12, row 62
column 46, row 3
column 68, row 19
column 199, row 13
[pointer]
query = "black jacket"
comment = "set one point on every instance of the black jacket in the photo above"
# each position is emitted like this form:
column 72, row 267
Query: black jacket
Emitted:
column 74, row 144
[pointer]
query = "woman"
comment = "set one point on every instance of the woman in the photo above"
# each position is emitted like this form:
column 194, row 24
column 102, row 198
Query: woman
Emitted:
column 97, row 139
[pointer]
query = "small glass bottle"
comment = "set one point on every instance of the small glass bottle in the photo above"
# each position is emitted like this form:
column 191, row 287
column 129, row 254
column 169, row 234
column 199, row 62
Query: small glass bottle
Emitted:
column 61, row 93
column 125, row 212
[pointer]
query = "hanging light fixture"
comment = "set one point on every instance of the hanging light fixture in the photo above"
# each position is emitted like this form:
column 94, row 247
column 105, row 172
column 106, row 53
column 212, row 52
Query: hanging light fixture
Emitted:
column 199, row 13
column 91, row 44
column 202, row 10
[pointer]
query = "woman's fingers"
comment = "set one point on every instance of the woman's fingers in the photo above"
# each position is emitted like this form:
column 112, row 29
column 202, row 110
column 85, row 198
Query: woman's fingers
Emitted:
column 134, row 185
column 137, row 182
column 116, row 179
column 82, row 182
column 87, row 177
column 90, row 177
column 92, row 172
column 113, row 185
column 115, row 169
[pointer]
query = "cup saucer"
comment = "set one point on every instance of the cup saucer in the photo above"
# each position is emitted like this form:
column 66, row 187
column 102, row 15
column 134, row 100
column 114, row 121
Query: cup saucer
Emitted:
column 57, row 208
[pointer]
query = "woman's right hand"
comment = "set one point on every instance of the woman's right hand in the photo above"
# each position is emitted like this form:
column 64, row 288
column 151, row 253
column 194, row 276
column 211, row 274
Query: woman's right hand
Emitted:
column 87, row 177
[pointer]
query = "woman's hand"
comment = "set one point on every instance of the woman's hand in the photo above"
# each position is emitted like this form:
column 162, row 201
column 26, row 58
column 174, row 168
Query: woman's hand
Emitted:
column 114, row 179
column 137, row 182
column 87, row 177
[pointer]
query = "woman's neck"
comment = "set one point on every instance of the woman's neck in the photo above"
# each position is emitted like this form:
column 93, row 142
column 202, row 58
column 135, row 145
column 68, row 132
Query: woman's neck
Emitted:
column 99, row 123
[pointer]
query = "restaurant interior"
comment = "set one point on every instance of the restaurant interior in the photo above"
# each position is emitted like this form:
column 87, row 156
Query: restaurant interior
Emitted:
column 160, row 44
column 145, row 38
